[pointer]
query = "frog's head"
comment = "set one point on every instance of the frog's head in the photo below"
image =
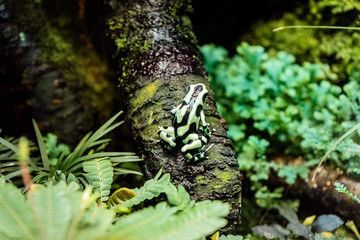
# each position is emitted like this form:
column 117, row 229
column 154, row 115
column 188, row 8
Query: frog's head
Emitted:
column 198, row 93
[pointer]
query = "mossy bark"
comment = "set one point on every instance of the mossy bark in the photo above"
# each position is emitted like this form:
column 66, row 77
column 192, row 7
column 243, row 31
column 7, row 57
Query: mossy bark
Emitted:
column 50, row 71
column 157, row 59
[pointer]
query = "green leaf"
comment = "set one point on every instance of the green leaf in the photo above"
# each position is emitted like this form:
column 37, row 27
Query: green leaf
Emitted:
column 288, row 213
column 119, row 196
column 152, row 188
column 16, row 217
column 9, row 145
column 88, row 141
column 94, row 224
column 99, row 173
column 178, row 197
column 75, row 165
column 354, row 128
column 52, row 220
column 42, row 148
column 342, row 189
column 326, row 223
column 203, row 219
column 162, row 222
column 230, row 237
column 271, row 231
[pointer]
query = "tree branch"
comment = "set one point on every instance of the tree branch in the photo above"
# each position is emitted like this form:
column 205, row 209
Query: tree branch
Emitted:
column 157, row 59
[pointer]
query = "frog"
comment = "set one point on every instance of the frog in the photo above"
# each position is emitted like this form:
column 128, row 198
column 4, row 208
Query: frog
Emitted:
column 190, row 132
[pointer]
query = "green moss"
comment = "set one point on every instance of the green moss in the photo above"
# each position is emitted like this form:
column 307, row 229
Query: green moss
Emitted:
column 150, row 132
column 223, row 177
column 127, row 42
column 145, row 93
column 132, row 36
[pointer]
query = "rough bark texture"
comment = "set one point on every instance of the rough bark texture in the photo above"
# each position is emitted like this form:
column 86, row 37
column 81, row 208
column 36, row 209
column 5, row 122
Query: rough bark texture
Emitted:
column 157, row 59
column 49, row 72
column 322, row 192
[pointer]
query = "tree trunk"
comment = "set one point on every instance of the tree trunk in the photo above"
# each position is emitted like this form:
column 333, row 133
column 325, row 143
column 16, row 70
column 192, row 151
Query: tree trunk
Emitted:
column 157, row 60
column 49, row 71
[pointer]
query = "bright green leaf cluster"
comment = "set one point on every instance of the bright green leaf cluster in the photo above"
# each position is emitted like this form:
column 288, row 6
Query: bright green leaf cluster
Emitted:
column 296, row 108
column 55, row 149
column 274, row 106
column 99, row 174
column 61, row 211
column 57, row 163
column 338, row 48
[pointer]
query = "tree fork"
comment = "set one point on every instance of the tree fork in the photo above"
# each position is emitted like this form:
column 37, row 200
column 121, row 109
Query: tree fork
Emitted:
column 157, row 59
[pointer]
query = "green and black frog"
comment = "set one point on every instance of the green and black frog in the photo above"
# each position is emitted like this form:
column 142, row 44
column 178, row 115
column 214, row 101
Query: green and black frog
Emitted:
column 190, row 132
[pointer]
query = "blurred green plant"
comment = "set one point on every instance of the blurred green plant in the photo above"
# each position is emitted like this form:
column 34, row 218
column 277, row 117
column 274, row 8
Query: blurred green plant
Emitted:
column 275, row 107
column 339, row 49
column 60, row 211
column 86, row 164
column 342, row 189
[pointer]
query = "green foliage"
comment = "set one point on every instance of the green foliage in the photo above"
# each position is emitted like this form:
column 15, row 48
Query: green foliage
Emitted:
column 11, row 204
column 339, row 49
column 294, row 229
column 55, row 149
column 178, row 218
column 291, row 105
column 60, row 165
column 274, row 106
column 163, row 222
column 179, row 197
column 152, row 188
column 231, row 237
column 342, row 189
column 99, row 173
column 53, row 212
column 61, row 211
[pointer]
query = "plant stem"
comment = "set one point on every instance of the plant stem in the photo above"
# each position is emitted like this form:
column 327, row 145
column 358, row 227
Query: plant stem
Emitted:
column 315, row 27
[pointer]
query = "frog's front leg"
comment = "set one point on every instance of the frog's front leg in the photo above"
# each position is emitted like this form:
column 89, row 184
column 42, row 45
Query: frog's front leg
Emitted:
column 167, row 135
column 205, row 127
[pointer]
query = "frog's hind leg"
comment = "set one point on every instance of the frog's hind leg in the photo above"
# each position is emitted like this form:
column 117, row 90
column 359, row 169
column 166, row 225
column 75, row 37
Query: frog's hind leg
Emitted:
column 167, row 135
column 194, row 142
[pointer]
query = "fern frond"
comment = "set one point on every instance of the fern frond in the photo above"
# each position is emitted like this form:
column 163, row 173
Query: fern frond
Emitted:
column 52, row 220
column 16, row 217
column 152, row 188
column 57, row 211
column 99, row 173
column 162, row 222
column 89, row 141
column 342, row 189
column 201, row 220
column 94, row 224
column 179, row 197
column 119, row 196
